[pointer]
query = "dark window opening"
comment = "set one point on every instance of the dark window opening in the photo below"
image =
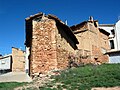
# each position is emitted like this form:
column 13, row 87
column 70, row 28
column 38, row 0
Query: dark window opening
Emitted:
column 113, row 32
column 112, row 44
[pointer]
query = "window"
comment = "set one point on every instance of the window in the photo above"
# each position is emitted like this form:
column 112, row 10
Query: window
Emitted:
column 113, row 32
column 112, row 44
column 3, row 62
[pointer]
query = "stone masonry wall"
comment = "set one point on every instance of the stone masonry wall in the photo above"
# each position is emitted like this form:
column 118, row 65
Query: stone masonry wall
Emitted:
column 43, row 49
column 64, row 48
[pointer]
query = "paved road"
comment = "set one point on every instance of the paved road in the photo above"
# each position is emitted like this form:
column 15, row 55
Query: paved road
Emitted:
column 15, row 77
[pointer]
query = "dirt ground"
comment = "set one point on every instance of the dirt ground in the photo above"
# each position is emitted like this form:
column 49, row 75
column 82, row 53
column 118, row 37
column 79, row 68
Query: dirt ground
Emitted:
column 15, row 77
column 109, row 88
column 36, row 84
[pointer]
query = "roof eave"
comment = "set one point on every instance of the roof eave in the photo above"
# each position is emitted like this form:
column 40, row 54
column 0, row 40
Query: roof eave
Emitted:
column 34, row 16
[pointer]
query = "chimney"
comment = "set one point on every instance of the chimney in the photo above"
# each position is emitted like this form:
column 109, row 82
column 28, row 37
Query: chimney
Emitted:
column 90, row 18
column 66, row 22
column 43, row 16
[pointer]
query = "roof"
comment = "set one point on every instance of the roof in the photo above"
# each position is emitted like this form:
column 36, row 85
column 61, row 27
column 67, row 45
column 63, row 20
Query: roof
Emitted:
column 74, row 26
column 82, row 23
column 18, row 49
column 6, row 56
column 49, row 16
column 34, row 16
column 104, row 31
column 67, row 29
column 106, row 25
column 113, row 51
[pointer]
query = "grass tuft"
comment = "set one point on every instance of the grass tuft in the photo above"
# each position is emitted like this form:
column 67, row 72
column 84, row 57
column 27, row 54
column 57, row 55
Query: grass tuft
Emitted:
column 9, row 85
column 82, row 78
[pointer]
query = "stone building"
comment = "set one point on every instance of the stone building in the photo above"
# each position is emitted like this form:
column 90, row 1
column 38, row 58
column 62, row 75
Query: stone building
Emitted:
column 52, row 45
column 49, row 42
column 18, row 60
column 93, row 42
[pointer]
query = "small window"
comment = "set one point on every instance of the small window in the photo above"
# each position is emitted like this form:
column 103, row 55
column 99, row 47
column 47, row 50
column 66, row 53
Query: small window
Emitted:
column 112, row 44
column 3, row 62
column 113, row 32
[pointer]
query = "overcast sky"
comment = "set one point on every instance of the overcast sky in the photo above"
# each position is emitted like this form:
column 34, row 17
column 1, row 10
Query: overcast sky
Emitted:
column 14, row 12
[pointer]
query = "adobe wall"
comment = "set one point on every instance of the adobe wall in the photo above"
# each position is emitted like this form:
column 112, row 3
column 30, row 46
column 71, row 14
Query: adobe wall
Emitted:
column 18, row 60
column 99, row 41
column 104, row 41
column 104, row 46
column 87, row 39
column 90, row 43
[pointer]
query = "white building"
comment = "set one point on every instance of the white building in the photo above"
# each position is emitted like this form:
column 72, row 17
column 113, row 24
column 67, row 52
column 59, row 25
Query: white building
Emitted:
column 6, row 63
column 114, row 41
column 27, row 60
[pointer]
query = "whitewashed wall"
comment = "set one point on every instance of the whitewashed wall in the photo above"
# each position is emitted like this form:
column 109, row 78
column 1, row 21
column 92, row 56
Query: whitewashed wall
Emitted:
column 27, row 59
column 5, row 63
column 117, row 28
